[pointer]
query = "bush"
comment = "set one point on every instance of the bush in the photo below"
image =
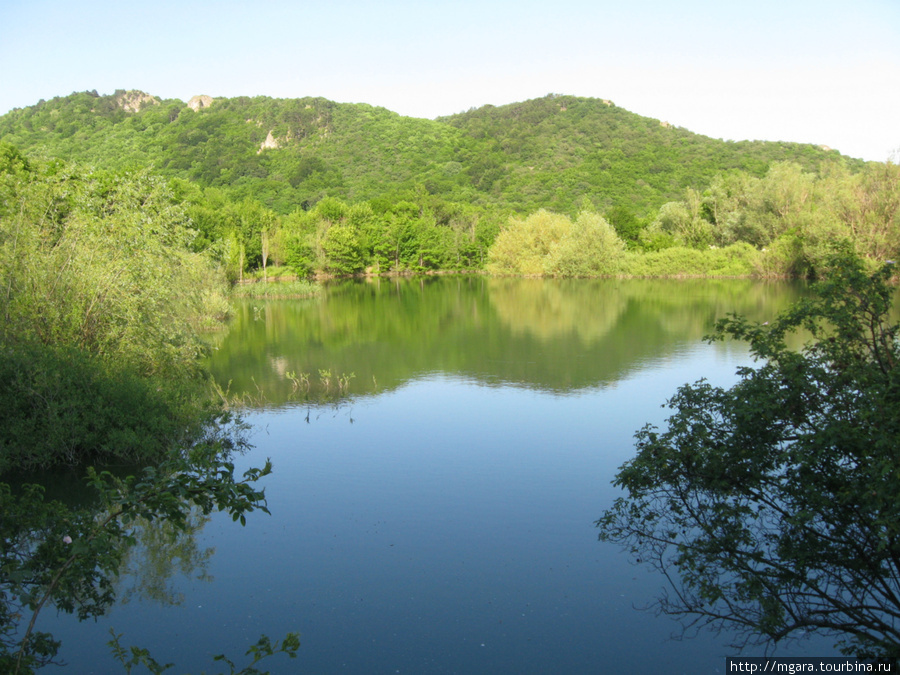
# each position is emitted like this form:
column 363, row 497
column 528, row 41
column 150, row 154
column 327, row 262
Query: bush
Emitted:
column 103, row 262
column 61, row 405
column 737, row 260
column 546, row 243
column 590, row 248
column 103, row 300
column 343, row 252
column 523, row 246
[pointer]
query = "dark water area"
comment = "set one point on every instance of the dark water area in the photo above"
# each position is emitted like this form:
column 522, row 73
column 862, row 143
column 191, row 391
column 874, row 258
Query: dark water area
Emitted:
column 441, row 450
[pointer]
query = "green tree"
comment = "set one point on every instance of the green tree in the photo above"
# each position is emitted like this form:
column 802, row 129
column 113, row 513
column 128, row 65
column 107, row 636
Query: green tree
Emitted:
column 233, row 255
column 685, row 222
column 332, row 210
column 869, row 203
column 251, row 219
column 392, row 234
column 726, row 203
column 626, row 225
column 343, row 253
column 103, row 261
column 102, row 298
column 299, row 241
column 773, row 507
column 524, row 246
column 590, row 248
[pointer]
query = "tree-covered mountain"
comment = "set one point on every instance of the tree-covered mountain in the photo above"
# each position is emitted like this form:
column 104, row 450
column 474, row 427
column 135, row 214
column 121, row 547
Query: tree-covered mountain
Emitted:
column 557, row 148
column 554, row 152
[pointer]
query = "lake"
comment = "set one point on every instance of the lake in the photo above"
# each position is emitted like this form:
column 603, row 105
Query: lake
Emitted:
column 441, row 450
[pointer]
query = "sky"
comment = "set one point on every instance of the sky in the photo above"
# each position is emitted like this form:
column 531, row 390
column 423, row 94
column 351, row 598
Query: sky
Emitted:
column 808, row 71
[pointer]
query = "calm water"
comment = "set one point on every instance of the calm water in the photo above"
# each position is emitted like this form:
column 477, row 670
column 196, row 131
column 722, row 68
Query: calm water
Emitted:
column 434, row 512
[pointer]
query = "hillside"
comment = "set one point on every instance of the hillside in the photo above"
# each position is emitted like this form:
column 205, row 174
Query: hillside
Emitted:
column 551, row 152
column 548, row 149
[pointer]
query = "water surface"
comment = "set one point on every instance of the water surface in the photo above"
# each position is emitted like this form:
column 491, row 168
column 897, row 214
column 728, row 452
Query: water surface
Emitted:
column 434, row 512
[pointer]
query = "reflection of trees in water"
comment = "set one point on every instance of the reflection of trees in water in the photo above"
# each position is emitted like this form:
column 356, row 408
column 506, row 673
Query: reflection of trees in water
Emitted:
column 161, row 553
column 73, row 558
column 591, row 309
column 556, row 335
column 690, row 307
column 548, row 309
column 360, row 338
column 150, row 557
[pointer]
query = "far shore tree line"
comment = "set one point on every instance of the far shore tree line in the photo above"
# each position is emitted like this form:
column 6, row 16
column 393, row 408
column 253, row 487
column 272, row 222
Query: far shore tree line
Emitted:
column 780, row 225
column 125, row 265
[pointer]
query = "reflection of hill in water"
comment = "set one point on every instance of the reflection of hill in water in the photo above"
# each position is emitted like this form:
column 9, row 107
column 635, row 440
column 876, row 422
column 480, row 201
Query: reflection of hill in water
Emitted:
column 551, row 335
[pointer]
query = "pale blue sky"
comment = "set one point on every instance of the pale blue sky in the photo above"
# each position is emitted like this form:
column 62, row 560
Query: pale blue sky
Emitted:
column 813, row 71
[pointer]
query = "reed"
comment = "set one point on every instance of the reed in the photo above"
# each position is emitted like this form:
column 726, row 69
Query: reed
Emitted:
column 300, row 288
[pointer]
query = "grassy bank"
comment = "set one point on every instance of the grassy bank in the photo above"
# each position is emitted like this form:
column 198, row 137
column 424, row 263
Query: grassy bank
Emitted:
column 299, row 288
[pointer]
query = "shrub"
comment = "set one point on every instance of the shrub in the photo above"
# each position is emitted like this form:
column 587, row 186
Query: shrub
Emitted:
column 524, row 245
column 590, row 248
column 737, row 260
column 773, row 507
column 546, row 243
column 62, row 405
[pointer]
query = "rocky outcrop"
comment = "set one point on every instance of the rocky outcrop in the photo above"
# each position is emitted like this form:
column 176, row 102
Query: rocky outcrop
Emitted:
column 269, row 144
column 133, row 100
column 201, row 101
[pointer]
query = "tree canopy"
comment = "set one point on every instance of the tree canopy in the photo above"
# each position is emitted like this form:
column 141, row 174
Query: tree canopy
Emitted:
column 550, row 244
column 313, row 186
column 548, row 152
column 773, row 507
column 102, row 300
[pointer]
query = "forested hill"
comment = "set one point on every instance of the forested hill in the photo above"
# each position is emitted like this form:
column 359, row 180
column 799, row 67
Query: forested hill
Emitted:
column 551, row 152
column 553, row 148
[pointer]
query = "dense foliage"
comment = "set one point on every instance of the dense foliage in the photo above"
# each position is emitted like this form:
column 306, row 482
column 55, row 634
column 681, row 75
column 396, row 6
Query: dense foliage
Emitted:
column 101, row 299
column 781, row 224
column 771, row 507
column 793, row 217
column 315, row 186
column 553, row 151
column 553, row 245
column 288, row 153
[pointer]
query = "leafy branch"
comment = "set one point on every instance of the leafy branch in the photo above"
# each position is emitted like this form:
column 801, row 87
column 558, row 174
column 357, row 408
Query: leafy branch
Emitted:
column 773, row 507
column 263, row 649
column 52, row 554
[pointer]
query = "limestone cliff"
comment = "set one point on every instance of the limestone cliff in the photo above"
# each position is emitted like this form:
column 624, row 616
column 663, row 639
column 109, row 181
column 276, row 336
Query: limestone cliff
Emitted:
column 201, row 101
column 134, row 100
